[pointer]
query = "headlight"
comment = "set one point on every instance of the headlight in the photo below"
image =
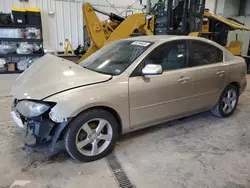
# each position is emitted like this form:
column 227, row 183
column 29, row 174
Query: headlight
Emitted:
column 31, row 109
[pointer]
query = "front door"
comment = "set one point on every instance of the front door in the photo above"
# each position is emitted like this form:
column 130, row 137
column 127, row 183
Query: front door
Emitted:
column 158, row 98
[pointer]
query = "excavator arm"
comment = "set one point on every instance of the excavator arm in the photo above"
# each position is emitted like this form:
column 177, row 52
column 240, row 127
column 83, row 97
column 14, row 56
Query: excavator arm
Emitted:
column 94, row 26
column 95, row 30
column 135, row 22
column 102, row 33
column 233, row 24
column 217, row 29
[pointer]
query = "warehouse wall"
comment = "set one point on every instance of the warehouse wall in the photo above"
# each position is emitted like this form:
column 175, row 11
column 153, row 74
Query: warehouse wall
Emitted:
column 225, row 7
column 247, row 8
column 65, row 20
column 231, row 8
column 210, row 4
column 220, row 7
column 117, row 7
column 63, row 24
column 242, row 35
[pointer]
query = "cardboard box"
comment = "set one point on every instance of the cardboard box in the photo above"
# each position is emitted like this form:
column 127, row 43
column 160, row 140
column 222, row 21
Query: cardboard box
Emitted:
column 11, row 66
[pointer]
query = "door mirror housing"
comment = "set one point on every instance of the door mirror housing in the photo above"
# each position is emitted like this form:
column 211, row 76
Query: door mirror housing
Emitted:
column 152, row 69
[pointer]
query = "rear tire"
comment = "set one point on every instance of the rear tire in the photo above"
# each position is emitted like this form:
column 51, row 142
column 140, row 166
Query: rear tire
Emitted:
column 91, row 135
column 227, row 103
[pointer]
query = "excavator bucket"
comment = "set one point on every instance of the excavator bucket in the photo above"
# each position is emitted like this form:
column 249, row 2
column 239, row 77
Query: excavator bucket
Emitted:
column 127, row 27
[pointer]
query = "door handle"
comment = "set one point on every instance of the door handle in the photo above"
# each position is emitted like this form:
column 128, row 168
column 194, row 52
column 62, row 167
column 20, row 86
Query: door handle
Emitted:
column 220, row 73
column 183, row 80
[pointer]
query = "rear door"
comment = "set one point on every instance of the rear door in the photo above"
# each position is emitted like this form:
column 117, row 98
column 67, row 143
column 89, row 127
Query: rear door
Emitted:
column 209, row 74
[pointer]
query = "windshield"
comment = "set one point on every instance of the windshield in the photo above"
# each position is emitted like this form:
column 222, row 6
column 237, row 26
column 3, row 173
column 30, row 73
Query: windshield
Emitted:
column 158, row 6
column 114, row 58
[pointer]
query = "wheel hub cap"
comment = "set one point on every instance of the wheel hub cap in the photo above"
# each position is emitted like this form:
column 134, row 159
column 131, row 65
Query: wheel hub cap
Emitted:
column 98, row 137
column 94, row 136
column 229, row 101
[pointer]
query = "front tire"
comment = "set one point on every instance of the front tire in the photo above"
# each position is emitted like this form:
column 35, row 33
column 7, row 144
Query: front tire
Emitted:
column 227, row 103
column 91, row 135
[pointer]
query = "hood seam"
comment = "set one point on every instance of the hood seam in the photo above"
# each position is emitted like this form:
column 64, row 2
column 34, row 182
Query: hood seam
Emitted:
column 76, row 88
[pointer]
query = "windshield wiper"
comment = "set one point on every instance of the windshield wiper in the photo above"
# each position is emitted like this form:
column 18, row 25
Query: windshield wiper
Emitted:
column 106, row 73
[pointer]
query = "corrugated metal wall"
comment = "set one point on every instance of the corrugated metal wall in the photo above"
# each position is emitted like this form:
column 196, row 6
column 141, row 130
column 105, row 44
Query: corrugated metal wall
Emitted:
column 65, row 23
column 66, row 20
column 210, row 4
column 242, row 35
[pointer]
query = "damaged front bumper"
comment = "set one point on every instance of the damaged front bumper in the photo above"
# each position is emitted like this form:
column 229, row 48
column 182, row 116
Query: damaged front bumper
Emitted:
column 47, row 133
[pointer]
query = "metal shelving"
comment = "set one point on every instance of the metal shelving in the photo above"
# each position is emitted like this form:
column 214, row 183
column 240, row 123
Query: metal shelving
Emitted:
column 21, row 55
column 14, row 57
column 11, row 72
column 21, row 40
column 19, row 26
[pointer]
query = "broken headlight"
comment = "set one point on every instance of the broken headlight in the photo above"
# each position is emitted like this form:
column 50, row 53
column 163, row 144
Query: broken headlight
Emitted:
column 31, row 109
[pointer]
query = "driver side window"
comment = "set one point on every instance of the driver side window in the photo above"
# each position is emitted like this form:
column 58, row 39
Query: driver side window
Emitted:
column 171, row 56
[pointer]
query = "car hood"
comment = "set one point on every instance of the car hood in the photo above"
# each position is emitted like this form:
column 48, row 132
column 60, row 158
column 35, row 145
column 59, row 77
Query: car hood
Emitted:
column 50, row 75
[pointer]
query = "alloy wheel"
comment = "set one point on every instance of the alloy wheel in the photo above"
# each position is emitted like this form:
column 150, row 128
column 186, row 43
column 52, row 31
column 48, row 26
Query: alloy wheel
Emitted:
column 94, row 137
column 229, row 101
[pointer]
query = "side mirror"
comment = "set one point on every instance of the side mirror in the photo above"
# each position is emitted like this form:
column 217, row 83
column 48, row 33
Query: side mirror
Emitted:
column 152, row 69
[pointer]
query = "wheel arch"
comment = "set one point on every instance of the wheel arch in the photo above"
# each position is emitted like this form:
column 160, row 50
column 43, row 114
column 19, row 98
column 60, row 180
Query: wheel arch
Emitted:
column 236, row 84
column 106, row 108
column 216, row 109
column 113, row 112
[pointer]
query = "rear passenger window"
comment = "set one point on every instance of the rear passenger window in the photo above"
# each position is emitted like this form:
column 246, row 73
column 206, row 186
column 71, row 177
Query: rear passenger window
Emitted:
column 204, row 54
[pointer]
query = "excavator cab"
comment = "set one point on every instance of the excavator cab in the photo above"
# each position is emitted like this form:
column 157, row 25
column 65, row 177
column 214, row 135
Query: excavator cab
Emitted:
column 176, row 17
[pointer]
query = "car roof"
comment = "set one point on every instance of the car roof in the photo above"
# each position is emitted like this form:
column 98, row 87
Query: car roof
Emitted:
column 153, row 38
column 159, row 39
column 165, row 38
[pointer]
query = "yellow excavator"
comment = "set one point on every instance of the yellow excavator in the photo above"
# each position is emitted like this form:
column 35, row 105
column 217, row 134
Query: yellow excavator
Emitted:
column 117, row 27
column 161, row 17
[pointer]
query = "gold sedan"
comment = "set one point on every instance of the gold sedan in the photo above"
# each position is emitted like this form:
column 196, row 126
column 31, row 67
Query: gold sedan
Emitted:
column 125, row 86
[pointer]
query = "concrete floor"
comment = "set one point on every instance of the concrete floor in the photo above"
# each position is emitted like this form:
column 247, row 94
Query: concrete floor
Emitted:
column 196, row 152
